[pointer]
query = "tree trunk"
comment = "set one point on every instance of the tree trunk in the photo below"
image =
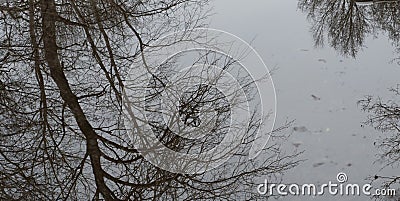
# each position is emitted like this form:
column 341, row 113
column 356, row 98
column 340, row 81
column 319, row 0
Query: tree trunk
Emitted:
column 49, row 16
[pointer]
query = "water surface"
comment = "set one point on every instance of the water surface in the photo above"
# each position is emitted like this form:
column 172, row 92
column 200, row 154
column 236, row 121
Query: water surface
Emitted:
column 318, row 87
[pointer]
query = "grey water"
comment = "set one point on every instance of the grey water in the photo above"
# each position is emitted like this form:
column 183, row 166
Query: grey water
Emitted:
column 319, row 88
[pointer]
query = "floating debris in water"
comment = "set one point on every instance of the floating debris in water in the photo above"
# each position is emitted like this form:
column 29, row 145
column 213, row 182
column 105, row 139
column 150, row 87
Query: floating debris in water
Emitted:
column 318, row 164
column 322, row 60
column 316, row 98
column 300, row 129
column 297, row 144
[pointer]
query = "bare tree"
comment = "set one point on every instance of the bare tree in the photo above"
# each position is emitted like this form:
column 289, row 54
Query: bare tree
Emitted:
column 62, row 75
column 345, row 24
column 384, row 115
column 384, row 15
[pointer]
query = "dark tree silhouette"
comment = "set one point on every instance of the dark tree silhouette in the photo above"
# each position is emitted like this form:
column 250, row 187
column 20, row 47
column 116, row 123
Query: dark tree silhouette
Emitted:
column 62, row 70
column 384, row 115
column 345, row 24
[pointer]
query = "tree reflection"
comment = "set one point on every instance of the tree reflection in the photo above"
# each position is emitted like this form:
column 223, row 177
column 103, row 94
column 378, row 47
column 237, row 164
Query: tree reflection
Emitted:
column 387, row 18
column 384, row 115
column 346, row 24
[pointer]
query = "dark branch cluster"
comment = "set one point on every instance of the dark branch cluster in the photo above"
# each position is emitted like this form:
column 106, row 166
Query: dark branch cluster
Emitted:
column 345, row 24
column 62, row 70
